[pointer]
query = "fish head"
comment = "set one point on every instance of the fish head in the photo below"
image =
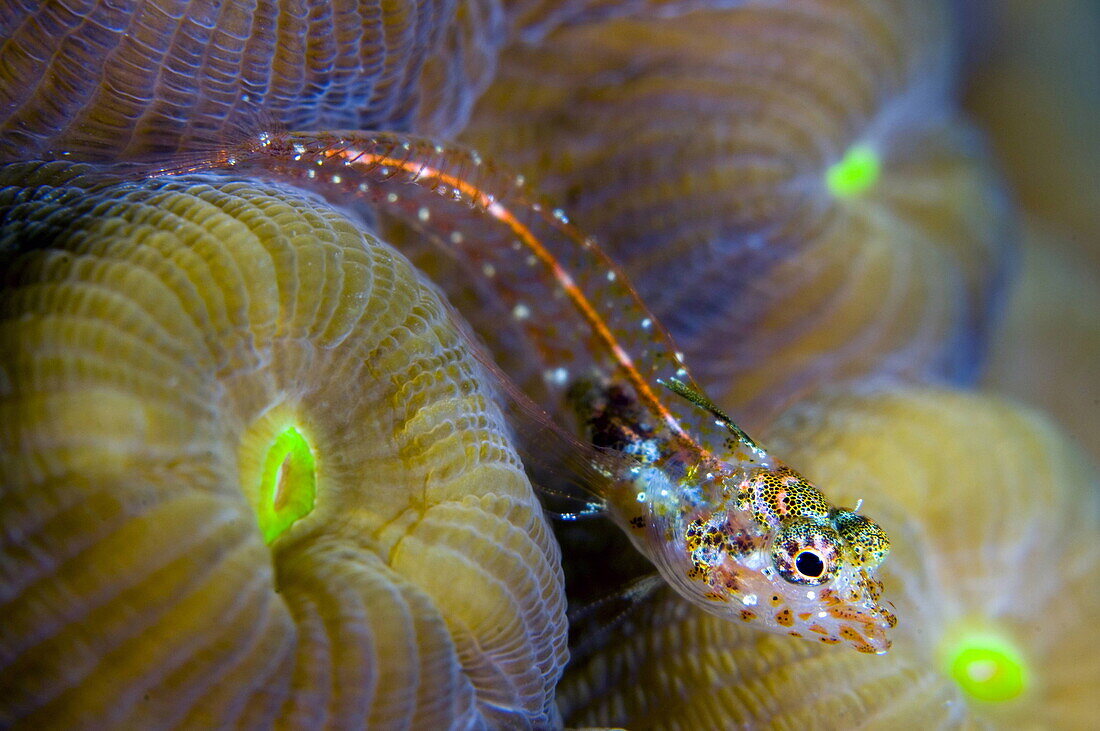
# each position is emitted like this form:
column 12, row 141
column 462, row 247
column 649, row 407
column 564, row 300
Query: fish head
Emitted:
column 775, row 555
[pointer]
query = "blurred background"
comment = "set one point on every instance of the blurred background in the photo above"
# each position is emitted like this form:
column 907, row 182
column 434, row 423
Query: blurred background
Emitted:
column 1034, row 86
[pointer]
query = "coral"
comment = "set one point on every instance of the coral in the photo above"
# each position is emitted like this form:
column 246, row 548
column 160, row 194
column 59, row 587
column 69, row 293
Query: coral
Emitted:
column 993, row 514
column 249, row 470
column 108, row 78
column 793, row 179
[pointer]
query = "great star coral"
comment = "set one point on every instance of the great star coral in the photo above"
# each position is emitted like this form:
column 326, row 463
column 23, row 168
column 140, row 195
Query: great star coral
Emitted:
column 796, row 193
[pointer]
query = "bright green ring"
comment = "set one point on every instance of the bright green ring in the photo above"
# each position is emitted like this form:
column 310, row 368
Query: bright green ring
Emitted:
column 988, row 668
column 857, row 171
column 288, row 484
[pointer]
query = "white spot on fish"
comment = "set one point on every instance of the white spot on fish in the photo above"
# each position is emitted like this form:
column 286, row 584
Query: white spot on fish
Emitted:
column 521, row 312
column 647, row 449
column 557, row 376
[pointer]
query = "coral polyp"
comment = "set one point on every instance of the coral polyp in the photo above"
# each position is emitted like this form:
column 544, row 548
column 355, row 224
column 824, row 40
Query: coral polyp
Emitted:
column 854, row 173
column 986, row 666
column 254, row 471
column 250, row 471
column 285, row 489
column 987, row 503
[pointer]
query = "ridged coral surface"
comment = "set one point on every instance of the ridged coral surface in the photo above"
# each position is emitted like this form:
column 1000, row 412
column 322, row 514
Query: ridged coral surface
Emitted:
column 250, row 474
column 157, row 341
column 164, row 75
column 993, row 516
column 789, row 184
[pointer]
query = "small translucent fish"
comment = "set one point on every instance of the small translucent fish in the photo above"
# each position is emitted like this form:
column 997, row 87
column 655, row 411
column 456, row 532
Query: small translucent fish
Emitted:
column 729, row 526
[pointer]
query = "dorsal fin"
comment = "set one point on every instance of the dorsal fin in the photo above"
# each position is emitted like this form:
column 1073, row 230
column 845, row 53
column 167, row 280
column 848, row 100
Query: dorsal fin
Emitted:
column 683, row 390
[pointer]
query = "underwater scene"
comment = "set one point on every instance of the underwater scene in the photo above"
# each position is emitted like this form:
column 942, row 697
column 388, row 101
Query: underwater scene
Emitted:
column 538, row 364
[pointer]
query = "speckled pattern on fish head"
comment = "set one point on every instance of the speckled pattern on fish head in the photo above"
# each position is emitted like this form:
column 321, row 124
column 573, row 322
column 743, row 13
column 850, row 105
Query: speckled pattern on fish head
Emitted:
column 748, row 538
column 772, row 552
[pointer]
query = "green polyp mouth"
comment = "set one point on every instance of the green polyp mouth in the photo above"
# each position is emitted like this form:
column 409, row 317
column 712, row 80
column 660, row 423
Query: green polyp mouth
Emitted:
column 857, row 171
column 288, row 484
column 987, row 667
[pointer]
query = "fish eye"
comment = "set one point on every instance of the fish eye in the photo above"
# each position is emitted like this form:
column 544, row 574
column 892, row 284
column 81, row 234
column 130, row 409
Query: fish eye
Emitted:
column 806, row 552
column 809, row 564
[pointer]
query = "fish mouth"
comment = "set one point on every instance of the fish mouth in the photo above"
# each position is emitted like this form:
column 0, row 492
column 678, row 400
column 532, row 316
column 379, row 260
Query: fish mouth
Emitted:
column 866, row 630
column 873, row 640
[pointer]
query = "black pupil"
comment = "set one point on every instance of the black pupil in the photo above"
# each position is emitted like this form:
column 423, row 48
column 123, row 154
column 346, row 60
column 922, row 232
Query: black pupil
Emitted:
column 809, row 564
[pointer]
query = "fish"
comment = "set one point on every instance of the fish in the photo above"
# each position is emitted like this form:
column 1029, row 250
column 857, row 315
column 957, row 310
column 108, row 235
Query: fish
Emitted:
column 728, row 525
